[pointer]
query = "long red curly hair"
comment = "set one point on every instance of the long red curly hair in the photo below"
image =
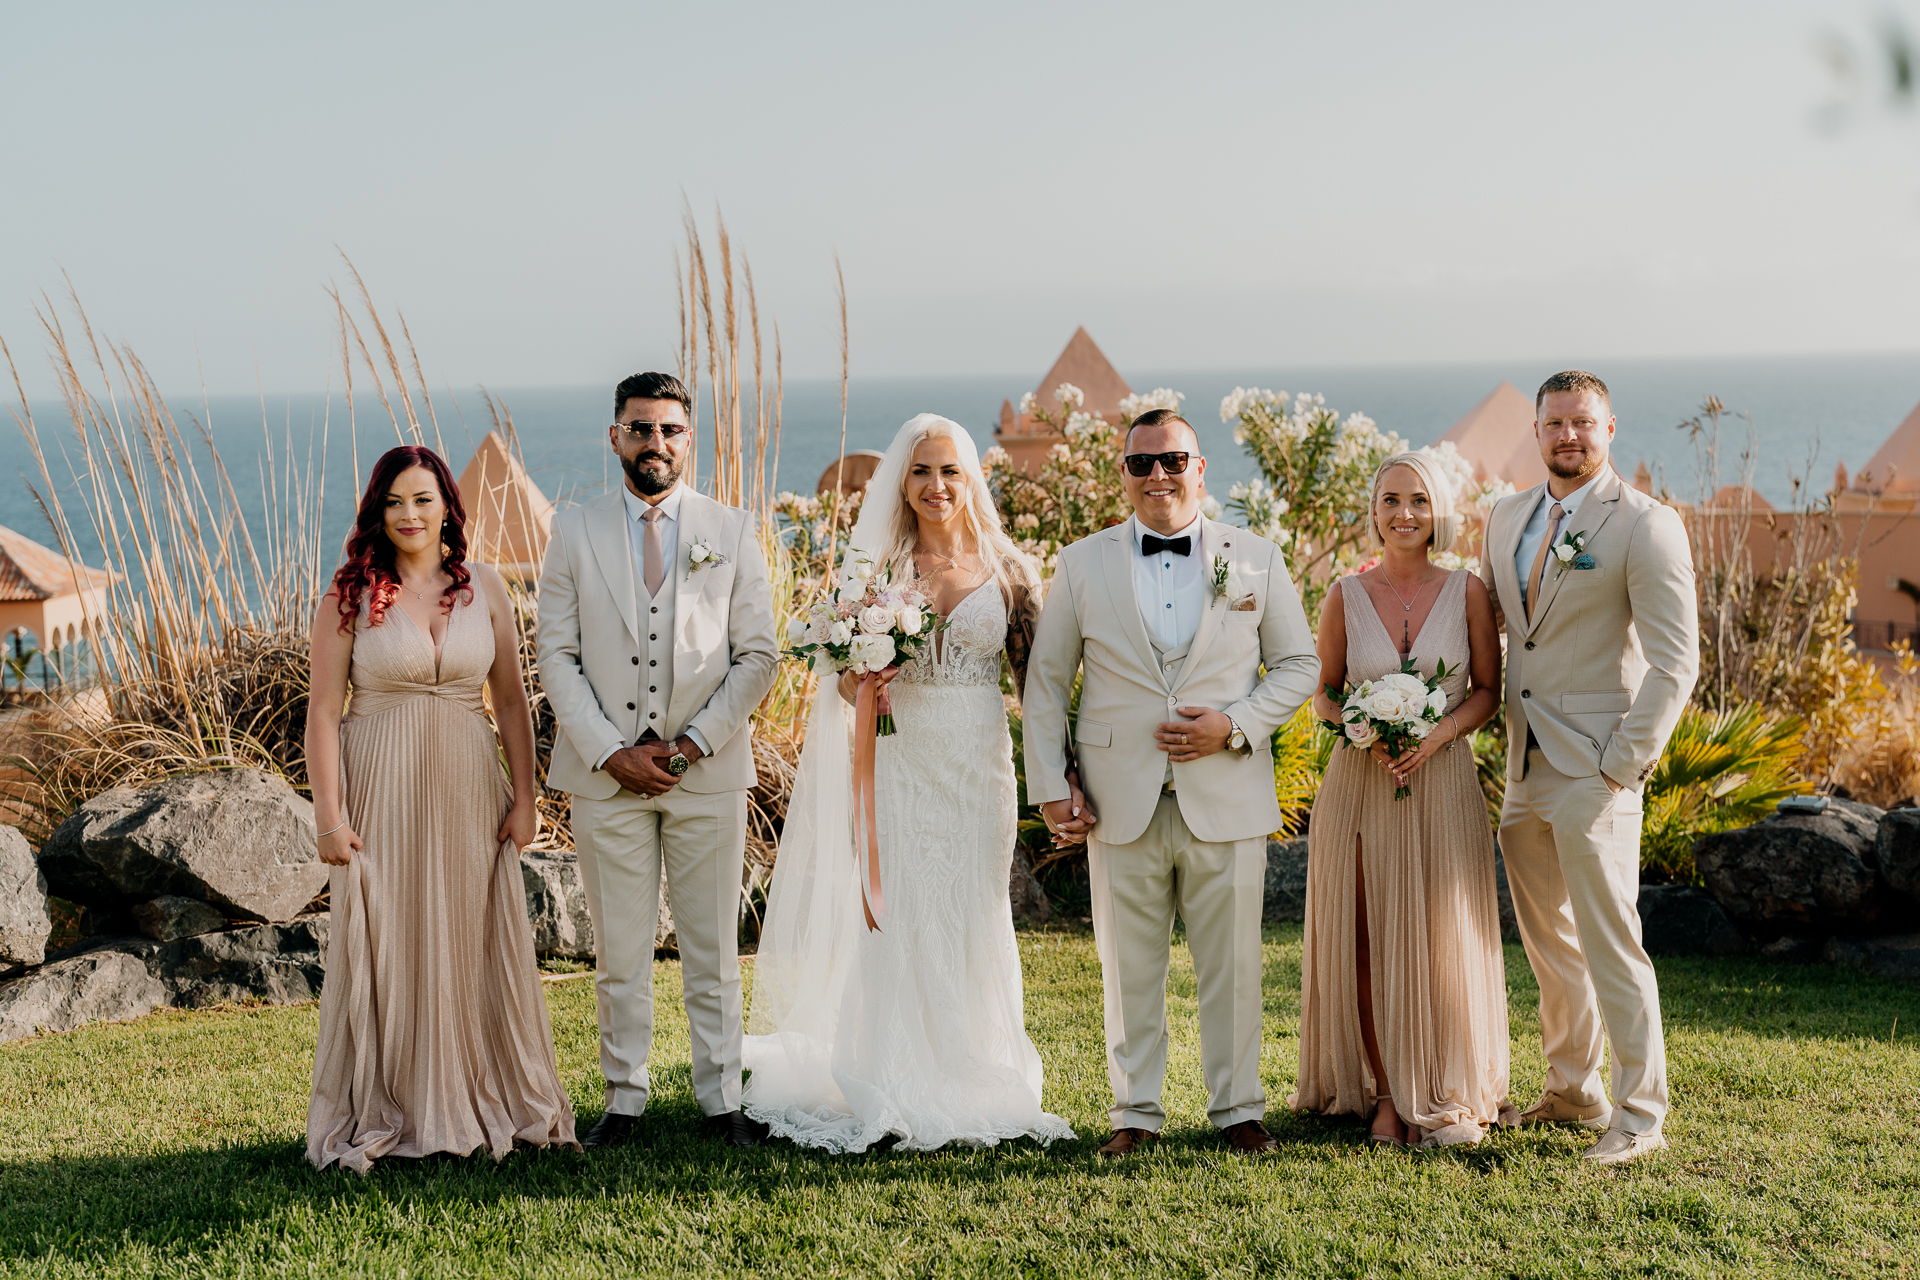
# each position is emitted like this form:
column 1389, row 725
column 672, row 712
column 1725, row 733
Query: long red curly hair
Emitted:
column 368, row 570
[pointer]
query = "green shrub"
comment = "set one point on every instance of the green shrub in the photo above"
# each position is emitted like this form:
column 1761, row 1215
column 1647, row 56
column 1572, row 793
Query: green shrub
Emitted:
column 1719, row 771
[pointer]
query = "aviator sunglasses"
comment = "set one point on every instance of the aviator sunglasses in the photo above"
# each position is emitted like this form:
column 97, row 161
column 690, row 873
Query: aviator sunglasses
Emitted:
column 1141, row 464
column 644, row 430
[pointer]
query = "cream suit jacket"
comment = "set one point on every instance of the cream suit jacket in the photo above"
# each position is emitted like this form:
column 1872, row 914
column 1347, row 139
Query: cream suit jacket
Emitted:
column 1091, row 622
column 723, row 653
column 1604, row 669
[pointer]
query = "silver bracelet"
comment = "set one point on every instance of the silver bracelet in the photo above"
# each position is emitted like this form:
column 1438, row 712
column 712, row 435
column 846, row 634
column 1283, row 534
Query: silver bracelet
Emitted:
column 330, row 830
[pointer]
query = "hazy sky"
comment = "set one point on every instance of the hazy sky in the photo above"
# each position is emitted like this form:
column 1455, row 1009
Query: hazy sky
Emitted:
column 1200, row 184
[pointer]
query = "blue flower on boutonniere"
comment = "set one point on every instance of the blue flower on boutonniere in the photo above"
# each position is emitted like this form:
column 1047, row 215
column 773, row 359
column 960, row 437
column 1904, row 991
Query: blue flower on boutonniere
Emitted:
column 1583, row 561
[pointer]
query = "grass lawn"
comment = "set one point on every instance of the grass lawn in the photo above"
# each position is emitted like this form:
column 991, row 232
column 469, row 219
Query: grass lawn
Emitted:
column 174, row 1146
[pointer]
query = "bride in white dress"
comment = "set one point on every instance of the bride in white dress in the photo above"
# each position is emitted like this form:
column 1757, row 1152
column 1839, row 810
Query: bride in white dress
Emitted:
column 916, row 1031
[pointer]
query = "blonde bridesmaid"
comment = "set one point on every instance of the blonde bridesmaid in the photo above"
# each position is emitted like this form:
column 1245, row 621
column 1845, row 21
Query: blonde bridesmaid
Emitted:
column 1403, row 1012
column 433, row 1030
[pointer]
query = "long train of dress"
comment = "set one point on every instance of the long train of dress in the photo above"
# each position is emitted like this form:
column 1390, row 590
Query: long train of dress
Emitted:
column 921, row 1033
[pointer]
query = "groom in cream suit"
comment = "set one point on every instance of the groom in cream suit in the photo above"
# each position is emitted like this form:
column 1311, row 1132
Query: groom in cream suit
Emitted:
column 1169, row 618
column 1595, row 581
column 656, row 644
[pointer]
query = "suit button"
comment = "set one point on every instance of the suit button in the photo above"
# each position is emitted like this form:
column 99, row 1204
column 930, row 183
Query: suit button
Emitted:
column 636, row 659
column 1529, row 644
column 653, row 637
column 1526, row 693
column 629, row 706
column 652, row 662
column 656, row 609
column 653, row 715
column 653, row 688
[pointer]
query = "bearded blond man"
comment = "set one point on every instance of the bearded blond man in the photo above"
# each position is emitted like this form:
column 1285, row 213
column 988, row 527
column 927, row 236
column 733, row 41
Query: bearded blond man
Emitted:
column 1595, row 582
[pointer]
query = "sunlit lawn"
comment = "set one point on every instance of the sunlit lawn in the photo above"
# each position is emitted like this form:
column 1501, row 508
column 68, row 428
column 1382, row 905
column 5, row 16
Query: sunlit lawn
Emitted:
column 173, row 1146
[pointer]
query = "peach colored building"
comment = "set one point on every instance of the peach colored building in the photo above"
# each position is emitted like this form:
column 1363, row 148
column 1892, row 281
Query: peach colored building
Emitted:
column 43, row 594
column 508, row 518
column 1083, row 364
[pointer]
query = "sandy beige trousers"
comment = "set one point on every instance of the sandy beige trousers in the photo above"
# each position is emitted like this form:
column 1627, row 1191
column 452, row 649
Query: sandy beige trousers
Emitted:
column 1572, row 849
column 700, row 840
column 1218, row 888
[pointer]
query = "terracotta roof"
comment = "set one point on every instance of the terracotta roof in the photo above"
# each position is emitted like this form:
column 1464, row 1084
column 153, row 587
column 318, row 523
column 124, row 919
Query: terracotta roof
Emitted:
column 1084, row 365
column 1896, row 467
column 29, row 571
column 1496, row 436
column 508, row 518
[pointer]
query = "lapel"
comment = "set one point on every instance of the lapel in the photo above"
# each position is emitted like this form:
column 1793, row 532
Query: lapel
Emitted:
column 1215, row 540
column 1594, row 510
column 612, row 544
column 1116, row 553
column 1508, row 546
column 696, row 525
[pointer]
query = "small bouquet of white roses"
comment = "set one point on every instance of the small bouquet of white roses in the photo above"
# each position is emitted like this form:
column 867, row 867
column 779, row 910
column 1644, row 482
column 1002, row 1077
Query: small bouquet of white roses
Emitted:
column 868, row 625
column 1399, row 710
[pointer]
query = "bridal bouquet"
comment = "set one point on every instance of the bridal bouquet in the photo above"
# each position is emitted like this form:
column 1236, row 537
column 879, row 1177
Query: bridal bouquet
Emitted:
column 1399, row 710
column 868, row 625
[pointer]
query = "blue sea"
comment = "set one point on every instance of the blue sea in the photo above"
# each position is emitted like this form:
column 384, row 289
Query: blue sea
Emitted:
column 1807, row 413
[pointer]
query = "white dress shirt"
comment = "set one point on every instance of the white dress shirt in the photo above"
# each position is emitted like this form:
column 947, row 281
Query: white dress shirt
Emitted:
column 657, row 614
column 1170, row 589
column 1537, row 529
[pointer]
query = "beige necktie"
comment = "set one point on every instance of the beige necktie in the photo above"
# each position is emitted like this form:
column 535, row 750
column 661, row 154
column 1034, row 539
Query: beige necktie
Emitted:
column 1554, row 517
column 656, row 565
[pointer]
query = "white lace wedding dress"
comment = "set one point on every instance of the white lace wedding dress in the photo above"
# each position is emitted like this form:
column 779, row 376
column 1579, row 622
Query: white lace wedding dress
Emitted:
column 916, row 1031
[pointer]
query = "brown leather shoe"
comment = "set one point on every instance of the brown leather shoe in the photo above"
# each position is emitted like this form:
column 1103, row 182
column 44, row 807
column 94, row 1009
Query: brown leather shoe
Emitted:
column 1249, row 1137
column 1125, row 1142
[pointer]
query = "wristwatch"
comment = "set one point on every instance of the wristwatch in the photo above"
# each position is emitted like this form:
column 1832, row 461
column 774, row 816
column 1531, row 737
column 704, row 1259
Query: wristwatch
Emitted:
column 677, row 763
column 1237, row 740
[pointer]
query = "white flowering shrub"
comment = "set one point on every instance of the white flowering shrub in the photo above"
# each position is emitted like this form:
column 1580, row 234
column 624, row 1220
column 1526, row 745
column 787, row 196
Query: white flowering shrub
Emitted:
column 806, row 526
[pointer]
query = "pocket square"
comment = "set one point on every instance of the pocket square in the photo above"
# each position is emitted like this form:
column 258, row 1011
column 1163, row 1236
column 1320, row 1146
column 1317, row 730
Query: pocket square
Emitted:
column 1584, row 561
column 1244, row 604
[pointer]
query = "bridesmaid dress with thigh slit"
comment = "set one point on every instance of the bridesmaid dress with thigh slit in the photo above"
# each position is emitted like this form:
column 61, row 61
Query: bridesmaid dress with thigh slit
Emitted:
column 1433, row 924
column 433, row 1029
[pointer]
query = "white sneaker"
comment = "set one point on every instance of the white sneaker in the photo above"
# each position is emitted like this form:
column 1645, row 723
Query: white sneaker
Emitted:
column 1617, row 1146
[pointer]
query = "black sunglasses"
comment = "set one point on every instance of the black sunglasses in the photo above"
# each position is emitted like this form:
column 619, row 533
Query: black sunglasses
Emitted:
column 1141, row 464
column 644, row 430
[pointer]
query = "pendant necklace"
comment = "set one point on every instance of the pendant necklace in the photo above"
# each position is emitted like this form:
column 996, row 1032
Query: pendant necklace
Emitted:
column 1406, row 624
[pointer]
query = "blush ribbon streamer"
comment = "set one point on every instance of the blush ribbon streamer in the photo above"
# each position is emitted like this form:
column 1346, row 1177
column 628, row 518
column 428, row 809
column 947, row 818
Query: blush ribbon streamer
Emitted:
column 866, row 831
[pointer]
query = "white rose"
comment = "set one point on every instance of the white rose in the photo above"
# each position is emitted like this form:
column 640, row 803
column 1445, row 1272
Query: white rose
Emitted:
column 796, row 631
column 840, row 632
column 821, row 629
column 1419, row 728
column 909, row 620
column 1361, row 733
column 823, row 663
column 1381, row 702
column 1437, row 702
column 1563, row 553
column 876, row 619
column 872, row 652
column 699, row 553
column 854, row 590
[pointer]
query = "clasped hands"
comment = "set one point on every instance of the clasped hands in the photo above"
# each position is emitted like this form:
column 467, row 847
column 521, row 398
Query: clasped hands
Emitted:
column 1200, row 733
column 642, row 767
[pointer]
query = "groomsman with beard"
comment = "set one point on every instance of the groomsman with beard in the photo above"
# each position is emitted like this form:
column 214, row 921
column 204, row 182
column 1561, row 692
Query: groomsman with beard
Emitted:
column 656, row 643
column 1169, row 619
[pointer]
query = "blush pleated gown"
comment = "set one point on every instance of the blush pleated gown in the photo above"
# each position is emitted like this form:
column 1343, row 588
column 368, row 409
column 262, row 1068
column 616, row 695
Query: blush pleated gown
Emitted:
column 433, row 1029
column 1433, row 921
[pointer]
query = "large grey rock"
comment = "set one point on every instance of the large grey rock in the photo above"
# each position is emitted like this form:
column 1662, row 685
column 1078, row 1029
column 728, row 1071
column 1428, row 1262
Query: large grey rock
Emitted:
column 71, row 993
column 1286, row 886
column 25, row 921
column 271, row 963
column 1029, row 899
column 1680, row 920
column 1896, row 845
column 557, row 903
column 1897, row 956
column 241, row 839
column 1801, row 873
column 169, row 918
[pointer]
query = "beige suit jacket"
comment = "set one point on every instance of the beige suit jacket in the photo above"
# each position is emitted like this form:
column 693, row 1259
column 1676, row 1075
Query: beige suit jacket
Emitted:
column 1603, row 670
column 724, row 649
column 1091, row 623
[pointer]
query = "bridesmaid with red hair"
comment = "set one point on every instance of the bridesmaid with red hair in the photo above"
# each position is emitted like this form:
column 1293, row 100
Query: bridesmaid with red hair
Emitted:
column 433, row 1030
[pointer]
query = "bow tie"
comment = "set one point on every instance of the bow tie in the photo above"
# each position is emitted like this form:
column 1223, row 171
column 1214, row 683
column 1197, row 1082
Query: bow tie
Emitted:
column 1151, row 545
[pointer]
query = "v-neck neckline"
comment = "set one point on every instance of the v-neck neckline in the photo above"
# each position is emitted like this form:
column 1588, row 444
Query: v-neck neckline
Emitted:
column 437, row 650
column 1413, row 642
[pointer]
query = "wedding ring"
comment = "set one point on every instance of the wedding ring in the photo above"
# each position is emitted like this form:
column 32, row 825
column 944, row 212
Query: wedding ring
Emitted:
column 1183, row 739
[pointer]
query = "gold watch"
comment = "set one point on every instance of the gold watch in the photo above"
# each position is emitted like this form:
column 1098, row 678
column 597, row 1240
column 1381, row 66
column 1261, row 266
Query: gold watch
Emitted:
column 1237, row 740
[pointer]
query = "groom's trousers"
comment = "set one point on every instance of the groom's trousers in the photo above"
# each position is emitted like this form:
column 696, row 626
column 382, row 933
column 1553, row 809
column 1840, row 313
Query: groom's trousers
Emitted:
column 624, row 843
column 1218, row 888
column 1572, row 849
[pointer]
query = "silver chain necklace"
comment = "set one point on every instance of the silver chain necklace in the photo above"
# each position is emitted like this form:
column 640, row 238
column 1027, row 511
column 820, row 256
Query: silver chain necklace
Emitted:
column 1417, row 591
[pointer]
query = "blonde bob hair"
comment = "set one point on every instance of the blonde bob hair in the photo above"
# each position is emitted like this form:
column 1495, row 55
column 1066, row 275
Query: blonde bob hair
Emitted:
column 1446, row 520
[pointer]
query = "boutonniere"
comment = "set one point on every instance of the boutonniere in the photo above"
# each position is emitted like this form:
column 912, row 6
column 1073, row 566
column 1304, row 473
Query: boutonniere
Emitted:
column 702, row 556
column 1225, row 583
column 1570, row 551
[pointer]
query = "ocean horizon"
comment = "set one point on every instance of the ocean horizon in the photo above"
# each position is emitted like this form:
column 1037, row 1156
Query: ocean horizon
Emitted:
column 1800, row 416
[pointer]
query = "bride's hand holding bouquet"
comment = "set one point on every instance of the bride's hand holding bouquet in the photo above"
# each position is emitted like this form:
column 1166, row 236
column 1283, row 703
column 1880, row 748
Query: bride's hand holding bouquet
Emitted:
column 865, row 632
column 1391, row 717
